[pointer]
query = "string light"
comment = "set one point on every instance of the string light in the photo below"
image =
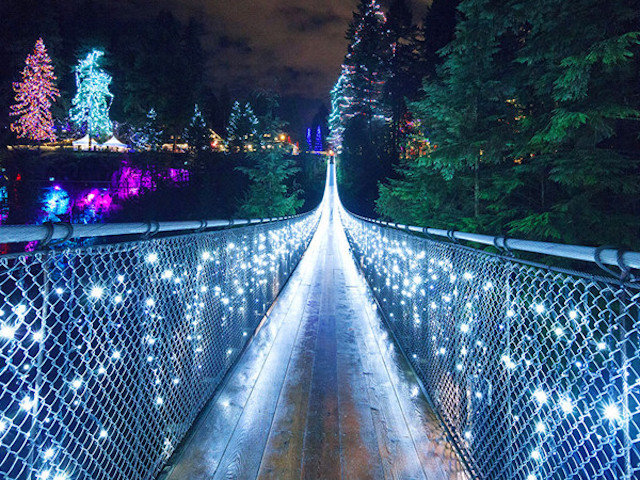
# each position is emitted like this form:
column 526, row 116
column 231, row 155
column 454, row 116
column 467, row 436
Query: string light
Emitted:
column 34, row 96
column 91, row 104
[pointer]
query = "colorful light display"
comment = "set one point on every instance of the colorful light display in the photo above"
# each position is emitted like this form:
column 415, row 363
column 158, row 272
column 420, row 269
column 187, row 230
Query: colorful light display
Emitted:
column 90, row 111
column 360, row 87
column 34, row 96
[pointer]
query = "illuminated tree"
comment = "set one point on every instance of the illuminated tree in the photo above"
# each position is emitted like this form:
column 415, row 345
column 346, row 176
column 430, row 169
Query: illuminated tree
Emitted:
column 360, row 88
column 90, row 111
column 243, row 125
column 197, row 133
column 149, row 136
column 34, row 96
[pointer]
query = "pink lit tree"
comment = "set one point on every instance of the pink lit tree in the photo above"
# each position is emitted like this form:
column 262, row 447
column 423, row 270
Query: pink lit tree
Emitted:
column 34, row 96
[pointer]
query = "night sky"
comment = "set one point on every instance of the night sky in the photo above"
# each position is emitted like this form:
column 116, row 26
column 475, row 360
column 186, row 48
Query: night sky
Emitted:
column 292, row 46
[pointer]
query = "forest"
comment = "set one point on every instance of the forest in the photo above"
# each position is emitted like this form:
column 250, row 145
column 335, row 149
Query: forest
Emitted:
column 512, row 118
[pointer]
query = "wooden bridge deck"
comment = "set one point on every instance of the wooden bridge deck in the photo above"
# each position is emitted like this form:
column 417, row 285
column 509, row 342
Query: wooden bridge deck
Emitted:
column 321, row 392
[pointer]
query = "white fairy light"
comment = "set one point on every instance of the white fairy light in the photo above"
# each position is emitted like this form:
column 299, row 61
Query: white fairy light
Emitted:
column 566, row 405
column 540, row 396
column 152, row 258
column 27, row 403
column 8, row 331
column 611, row 412
column 96, row 292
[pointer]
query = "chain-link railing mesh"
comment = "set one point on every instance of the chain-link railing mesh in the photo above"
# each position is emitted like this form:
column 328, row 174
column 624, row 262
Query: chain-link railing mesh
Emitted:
column 534, row 372
column 108, row 353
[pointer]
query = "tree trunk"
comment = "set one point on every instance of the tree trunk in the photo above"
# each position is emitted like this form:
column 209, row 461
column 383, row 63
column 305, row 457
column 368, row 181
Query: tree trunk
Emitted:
column 476, row 189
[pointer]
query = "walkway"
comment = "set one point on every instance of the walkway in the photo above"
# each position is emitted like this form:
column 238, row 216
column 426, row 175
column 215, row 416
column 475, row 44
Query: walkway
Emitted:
column 321, row 392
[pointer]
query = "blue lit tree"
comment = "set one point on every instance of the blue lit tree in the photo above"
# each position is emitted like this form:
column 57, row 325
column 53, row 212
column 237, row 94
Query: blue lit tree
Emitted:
column 196, row 134
column 90, row 111
column 150, row 135
column 242, row 126
column 318, row 145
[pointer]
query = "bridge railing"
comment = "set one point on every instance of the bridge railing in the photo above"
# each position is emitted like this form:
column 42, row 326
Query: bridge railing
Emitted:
column 108, row 353
column 534, row 371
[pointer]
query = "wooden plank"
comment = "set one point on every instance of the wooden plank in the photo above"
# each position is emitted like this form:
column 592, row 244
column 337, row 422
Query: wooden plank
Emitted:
column 359, row 454
column 202, row 451
column 283, row 452
column 396, row 446
column 437, row 457
column 244, row 452
column 320, row 456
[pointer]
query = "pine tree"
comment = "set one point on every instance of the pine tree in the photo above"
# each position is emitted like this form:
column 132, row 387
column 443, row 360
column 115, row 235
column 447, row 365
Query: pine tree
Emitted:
column 318, row 143
column 34, row 96
column 268, row 194
column 467, row 110
column 366, row 63
column 149, row 136
column 360, row 89
column 337, row 117
column 197, row 133
column 90, row 111
column 242, row 126
column 404, row 79
column 580, row 90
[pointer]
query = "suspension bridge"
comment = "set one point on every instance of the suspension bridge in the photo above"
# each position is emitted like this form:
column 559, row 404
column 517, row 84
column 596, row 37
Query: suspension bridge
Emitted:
column 319, row 346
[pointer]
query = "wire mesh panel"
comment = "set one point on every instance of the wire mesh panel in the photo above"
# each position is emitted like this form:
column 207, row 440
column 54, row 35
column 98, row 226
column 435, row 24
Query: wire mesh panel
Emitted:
column 107, row 354
column 534, row 372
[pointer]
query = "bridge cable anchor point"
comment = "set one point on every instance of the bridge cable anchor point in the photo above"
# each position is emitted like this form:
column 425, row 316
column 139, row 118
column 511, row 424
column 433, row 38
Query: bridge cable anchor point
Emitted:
column 625, row 276
column 153, row 227
column 203, row 226
column 500, row 243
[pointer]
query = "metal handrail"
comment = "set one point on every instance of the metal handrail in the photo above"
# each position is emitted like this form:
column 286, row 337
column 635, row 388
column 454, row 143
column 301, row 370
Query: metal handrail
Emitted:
column 66, row 231
column 608, row 256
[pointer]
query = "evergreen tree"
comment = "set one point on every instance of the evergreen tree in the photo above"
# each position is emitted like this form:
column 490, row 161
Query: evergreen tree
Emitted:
column 268, row 194
column 404, row 79
column 466, row 111
column 34, row 96
column 91, row 104
column 579, row 122
column 359, row 90
column 197, row 133
column 436, row 32
column 318, row 143
column 242, row 126
column 337, row 117
column 149, row 136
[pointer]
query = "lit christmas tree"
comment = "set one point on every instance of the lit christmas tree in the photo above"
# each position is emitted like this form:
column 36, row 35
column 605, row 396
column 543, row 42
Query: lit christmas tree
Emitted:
column 360, row 87
column 149, row 136
column 90, row 111
column 34, row 96
column 318, row 145
column 243, row 125
column 339, row 104
column 309, row 142
column 197, row 133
